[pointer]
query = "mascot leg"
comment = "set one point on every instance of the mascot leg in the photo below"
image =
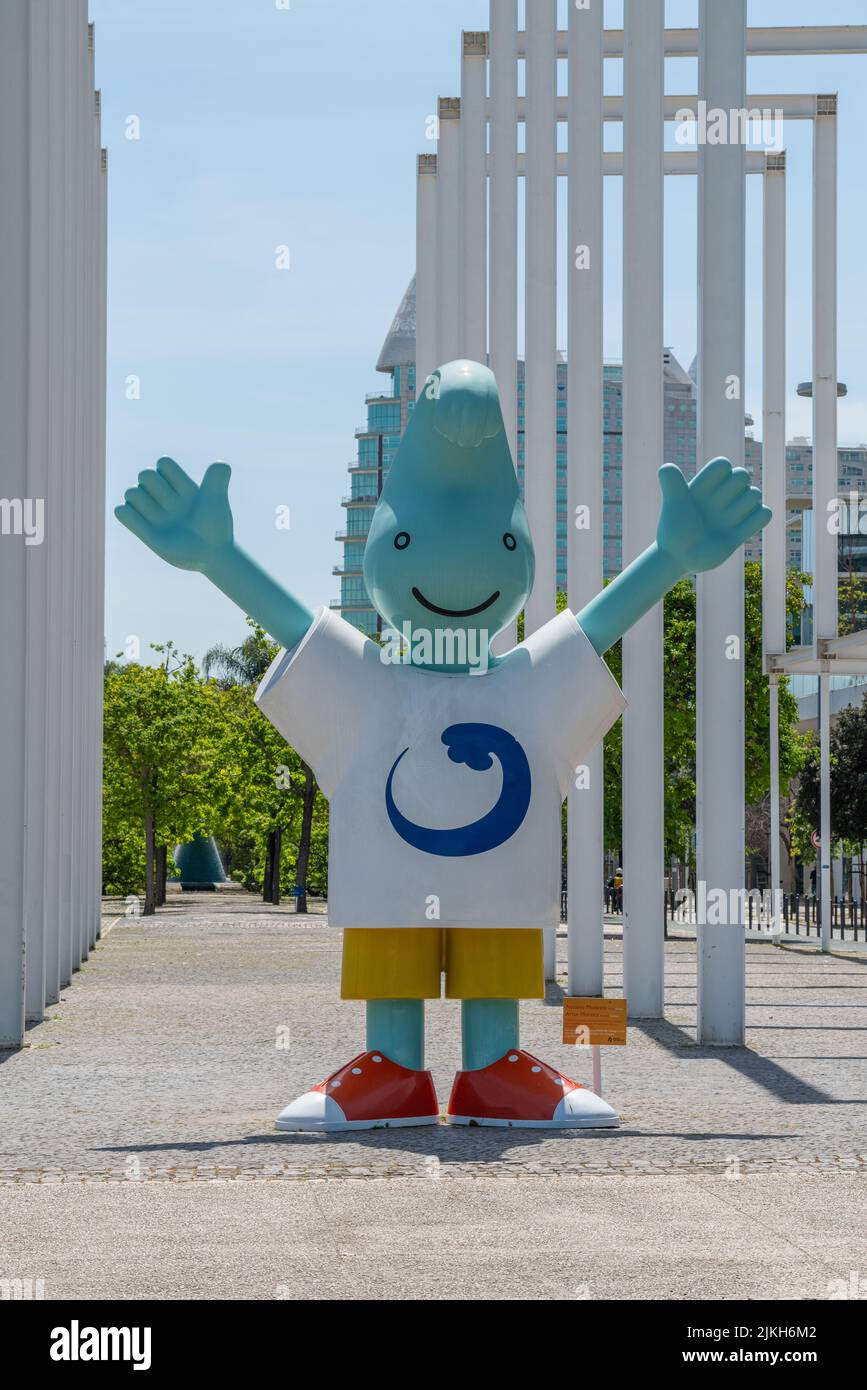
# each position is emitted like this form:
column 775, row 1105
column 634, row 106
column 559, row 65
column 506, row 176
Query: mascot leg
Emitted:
column 501, row 1084
column 394, row 971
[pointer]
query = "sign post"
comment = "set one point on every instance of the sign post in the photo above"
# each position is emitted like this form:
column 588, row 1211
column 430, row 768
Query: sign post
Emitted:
column 595, row 1023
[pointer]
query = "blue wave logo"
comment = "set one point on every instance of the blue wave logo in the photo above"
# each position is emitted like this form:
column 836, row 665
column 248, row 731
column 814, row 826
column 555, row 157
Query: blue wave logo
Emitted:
column 476, row 745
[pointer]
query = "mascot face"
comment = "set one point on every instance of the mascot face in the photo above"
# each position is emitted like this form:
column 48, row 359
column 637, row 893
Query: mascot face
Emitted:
column 449, row 545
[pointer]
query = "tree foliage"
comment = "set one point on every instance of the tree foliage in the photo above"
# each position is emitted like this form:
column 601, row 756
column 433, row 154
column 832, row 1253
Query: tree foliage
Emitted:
column 679, row 704
column 156, row 766
column 183, row 753
column 848, row 790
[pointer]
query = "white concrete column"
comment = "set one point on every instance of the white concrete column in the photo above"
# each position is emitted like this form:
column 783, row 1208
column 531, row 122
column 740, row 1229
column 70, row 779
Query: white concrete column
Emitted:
column 825, row 479
column 474, row 199
column 540, row 330
column 503, row 164
column 825, row 807
column 504, row 210
column 50, row 615
column 56, row 541
column 426, row 271
column 720, row 654
column 774, row 755
column 15, row 143
column 774, row 469
column 774, row 403
column 585, row 440
column 93, row 797
column 65, row 497
column 448, row 229
column 38, row 487
column 99, row 540
column 643, row 405
column 81, row 128
column 540, row 325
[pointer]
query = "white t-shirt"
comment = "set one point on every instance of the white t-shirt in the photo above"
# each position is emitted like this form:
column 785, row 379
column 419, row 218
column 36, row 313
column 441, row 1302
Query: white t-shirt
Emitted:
column 445, row 791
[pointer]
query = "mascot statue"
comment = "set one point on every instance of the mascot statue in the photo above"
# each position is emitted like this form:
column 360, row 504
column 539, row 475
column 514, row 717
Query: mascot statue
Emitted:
column 445, row 766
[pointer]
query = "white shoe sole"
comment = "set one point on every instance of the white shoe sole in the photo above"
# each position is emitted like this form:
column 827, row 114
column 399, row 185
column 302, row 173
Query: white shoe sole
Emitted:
column 338, row 1126
column 576, row 1122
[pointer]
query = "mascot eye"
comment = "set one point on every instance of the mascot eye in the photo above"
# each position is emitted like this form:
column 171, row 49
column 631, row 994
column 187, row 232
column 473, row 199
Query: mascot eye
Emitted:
column 401, row 540
column 509, row 541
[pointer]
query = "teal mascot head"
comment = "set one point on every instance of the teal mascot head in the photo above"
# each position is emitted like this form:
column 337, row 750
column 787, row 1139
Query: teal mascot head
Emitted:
column 449, row 545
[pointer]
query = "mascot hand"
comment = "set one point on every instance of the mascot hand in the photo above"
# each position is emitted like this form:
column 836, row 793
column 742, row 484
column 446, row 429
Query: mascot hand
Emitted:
column 704, row 522
column 185, row 523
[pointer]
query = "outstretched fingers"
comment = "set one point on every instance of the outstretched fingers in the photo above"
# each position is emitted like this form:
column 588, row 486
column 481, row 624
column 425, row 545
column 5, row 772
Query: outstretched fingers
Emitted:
column 751, row 524
column 709, row 478
column 158, row 489
column 141, row 501
column 177, row 479
column 135, row 522
column 736, row 485
column 742, row 505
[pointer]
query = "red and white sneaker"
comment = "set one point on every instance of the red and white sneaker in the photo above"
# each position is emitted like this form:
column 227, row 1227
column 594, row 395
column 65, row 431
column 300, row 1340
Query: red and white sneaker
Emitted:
column 370, row 1092
column 522, row 1092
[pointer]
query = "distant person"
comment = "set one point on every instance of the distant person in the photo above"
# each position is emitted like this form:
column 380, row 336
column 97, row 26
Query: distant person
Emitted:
column 813, row 880
column 610, row 894
column 618, row 890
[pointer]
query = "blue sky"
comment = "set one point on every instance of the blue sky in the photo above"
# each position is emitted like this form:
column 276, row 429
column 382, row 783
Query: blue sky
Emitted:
column 263, row 127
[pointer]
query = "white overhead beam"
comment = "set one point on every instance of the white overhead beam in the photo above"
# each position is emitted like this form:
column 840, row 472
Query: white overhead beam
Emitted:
column 818, row 666
column 854, row 644
column 793, row 106
column 774, row 42
column 674, row 162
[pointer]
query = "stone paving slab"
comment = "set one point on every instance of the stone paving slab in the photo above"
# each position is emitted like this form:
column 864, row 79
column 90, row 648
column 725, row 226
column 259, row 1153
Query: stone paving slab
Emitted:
column 183, row 1036
column 528, row 1238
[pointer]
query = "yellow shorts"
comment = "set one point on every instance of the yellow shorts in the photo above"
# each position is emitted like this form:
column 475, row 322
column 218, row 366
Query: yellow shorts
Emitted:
column 407, row 963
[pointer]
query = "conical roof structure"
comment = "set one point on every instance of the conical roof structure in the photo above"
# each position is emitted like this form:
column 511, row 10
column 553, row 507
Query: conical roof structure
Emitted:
column 399, row 346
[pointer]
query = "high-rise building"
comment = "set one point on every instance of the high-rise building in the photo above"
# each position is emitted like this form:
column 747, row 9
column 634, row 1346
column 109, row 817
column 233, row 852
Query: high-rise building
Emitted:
column 852, row 484
column 377, row 442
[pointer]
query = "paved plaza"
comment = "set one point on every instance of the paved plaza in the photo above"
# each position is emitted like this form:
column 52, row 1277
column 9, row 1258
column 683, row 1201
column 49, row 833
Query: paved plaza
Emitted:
column 138, row 1120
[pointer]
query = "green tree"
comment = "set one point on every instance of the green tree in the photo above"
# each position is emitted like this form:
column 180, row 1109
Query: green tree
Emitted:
column 273, row 767
column 261, row 798
column 679, row 704
column 156, row 761
column 852, row 602
column 848, row 791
